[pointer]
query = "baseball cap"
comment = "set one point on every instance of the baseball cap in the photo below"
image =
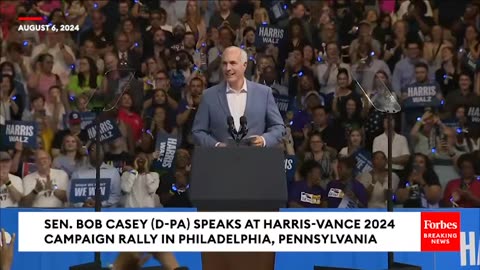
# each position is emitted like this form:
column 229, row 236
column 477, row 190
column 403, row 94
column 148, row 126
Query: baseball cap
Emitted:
column 4, row 156
column 74, row 118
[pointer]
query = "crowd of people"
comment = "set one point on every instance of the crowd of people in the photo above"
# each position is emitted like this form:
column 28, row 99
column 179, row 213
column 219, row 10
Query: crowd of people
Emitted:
column 145, row 64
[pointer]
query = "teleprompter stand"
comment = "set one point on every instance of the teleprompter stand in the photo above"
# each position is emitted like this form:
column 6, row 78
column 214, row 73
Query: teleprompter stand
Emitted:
column 238, row 178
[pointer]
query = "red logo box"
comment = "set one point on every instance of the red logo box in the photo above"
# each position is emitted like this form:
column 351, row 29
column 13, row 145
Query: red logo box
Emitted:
column 440, row 231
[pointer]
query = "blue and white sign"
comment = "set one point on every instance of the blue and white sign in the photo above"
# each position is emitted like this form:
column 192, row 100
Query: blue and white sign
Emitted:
column 108, row 131
column 290, row 167
column 166, row 145
column 422, row 95
column 364, row 161
column 20, row 131
column 82, row 189
column 269, row 35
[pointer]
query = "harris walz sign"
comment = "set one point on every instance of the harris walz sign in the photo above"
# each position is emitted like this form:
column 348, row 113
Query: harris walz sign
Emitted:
column 20, row 131
column 473, row 120
column 108, row 131
column 269, row 35
column 282, row 102
column 422, row 95
column 166, row 146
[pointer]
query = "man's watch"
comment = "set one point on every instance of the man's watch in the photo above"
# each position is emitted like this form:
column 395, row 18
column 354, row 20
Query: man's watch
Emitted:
column 35, row 192
column 8, row 184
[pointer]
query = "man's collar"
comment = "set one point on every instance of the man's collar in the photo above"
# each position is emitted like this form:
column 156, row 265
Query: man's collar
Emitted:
column 244, row 87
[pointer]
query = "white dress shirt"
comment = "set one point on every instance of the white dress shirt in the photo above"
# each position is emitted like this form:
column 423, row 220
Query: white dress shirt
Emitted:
column 237, row 102
column 399, row 147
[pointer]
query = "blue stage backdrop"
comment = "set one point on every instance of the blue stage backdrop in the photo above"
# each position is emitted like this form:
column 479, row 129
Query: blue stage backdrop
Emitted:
column 467, row 259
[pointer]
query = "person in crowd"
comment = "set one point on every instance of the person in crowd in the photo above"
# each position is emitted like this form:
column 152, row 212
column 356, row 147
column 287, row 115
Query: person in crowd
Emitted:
column 72, row 155
column 375, row 181
column 465, row 191
column 86, row 81
column 269, row 130
column 11, row 103
column 107, row 172
column 447, row 74
column 46, row 187
column 11, row 186
column 174, row 191
column 139, row 185
column 43, row 77
column 346, row 192
column 74, row 128
column 307, row 193
column 315, row 149
column 421, row 187
column 465, row 95
column 356, row 149
column 404, row 71
column 400, row 149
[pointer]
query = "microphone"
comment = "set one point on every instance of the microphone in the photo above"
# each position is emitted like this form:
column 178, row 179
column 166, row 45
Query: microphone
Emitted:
column 231, row 128
column 243, row 127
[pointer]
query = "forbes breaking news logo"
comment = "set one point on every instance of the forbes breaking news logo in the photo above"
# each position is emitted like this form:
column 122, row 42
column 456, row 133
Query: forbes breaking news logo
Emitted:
column 440, row 231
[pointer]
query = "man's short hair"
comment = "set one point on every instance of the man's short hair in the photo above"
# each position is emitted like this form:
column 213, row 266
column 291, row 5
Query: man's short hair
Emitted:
column 421, row 65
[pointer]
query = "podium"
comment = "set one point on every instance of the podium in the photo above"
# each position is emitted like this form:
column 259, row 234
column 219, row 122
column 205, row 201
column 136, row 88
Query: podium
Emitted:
column 238, row 178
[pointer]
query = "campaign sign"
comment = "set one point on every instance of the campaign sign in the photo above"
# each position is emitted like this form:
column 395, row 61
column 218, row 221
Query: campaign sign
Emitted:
column 290, row 167
column 108, row 131
column 166, row 145
column 364, row 161
column 28, row 168
column 269, row 35
column 422, row 95
column 282, row 103
column 86, row 117
column 20, row 131
column 82, row 189
column 473, row 115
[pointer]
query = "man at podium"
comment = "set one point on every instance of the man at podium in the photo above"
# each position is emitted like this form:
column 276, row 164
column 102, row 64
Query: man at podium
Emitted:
column 232, row 108
column 236, row 98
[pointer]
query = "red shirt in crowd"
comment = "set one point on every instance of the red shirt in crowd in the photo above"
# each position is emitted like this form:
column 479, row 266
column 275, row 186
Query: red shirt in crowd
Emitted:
column 455, row 185
column 133, row 120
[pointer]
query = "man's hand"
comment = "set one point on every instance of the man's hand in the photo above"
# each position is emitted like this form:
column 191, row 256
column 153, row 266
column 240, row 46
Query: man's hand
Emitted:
column 257, row 141
column 6, row 251
column 89, row 203
column 39, row 186
column 49, row 183
column 220, row 144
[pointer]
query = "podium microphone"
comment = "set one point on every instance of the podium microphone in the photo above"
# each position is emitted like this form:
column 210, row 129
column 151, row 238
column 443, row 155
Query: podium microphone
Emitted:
column 243, row 127
column 231, row 128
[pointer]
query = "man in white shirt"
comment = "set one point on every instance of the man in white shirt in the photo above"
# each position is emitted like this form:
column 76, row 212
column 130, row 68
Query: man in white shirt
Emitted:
column 400, row 150
column 106, row 171
column 47, row 187
column 11, row 189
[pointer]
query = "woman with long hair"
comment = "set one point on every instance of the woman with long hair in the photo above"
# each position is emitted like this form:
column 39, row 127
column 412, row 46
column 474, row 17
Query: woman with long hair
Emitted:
column 127, row 115
column 72, row 155
column 422, row 188
column 446, row 75
column 376, row 181
column 356, row 149
column 194, row 21
column 86, row 81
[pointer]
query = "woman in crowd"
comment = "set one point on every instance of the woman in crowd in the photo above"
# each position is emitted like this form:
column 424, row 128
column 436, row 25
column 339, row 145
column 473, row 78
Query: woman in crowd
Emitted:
column 432, row 49
column 86, row 81
column 448, row 72
column 11, row 103
column 422, row 188
column 140, row 184
column 346, row 192
column 465, row 191
column 127, row 115
column 72, row 155
column 315, row 149
column 307, row 193
column 376, row 181
column 42, row 78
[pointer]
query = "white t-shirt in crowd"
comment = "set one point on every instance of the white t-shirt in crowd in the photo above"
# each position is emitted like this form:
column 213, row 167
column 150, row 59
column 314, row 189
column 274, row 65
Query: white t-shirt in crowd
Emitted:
column 5, row 199
column 399, row 147
column 45, row 198
column 140, row 189
column 377, row 198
